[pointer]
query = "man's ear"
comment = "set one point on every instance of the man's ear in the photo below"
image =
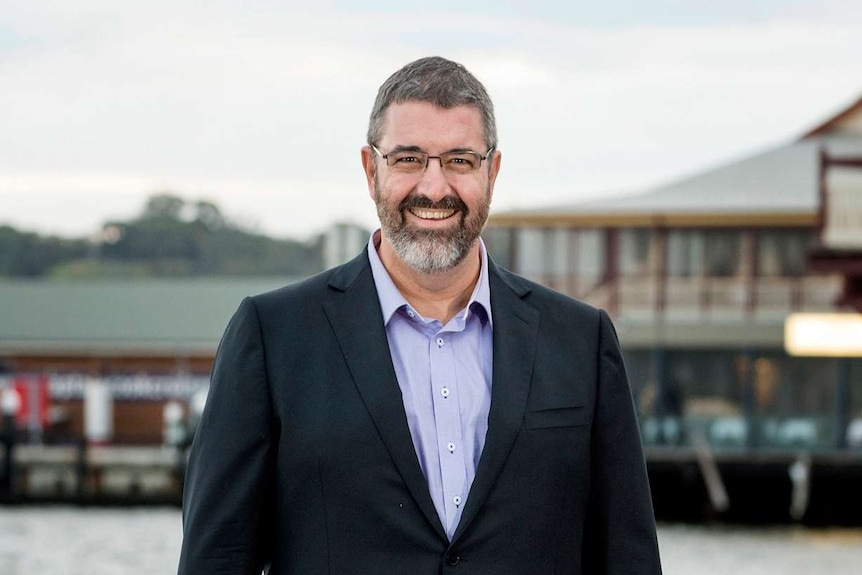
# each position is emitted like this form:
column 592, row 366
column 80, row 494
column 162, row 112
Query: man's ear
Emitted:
column 493, row 170
column 369, row 167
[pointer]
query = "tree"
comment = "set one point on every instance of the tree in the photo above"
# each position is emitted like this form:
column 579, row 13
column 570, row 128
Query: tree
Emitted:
column 163, row 205
column 25, row 254
column 209, row 215
column 160, row 242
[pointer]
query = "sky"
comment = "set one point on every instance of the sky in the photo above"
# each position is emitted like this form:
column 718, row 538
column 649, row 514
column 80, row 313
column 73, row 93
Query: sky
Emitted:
column 262, row 107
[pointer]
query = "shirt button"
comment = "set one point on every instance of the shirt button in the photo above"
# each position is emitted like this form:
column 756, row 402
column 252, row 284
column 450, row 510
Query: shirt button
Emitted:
column 456, row 500
column 410, row 313
column 451, row 447
column 440, row 342
column 444, row 392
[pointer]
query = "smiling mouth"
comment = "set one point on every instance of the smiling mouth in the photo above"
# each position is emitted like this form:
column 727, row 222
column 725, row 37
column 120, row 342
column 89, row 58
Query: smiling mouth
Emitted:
column 428, row 214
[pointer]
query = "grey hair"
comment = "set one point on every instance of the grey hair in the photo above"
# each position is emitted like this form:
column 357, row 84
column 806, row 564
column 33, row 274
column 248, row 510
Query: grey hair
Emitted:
column 438, row 81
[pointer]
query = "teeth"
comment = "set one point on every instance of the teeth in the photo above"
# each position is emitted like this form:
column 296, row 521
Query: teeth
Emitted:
column 432, row 214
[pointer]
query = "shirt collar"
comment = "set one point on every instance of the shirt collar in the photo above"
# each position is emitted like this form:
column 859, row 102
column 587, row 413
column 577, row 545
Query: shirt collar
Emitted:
column 391, row 299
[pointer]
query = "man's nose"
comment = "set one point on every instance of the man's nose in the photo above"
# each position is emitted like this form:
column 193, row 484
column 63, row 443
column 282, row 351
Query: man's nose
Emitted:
column 434, row 183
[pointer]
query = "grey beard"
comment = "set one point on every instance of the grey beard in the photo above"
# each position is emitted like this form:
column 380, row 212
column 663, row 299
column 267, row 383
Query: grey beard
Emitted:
column 430, row 252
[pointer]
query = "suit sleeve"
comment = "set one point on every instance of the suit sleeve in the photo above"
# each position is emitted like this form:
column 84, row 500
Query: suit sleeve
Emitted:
column 228, row 486
column 620, row 536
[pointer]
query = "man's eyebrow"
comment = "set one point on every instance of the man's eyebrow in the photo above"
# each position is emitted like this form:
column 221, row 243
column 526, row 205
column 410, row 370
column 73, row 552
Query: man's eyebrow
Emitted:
column 400, row 148
column 461, row 151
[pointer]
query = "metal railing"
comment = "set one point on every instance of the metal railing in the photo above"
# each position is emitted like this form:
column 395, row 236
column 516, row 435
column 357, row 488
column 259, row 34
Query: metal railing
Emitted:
column 703, row 296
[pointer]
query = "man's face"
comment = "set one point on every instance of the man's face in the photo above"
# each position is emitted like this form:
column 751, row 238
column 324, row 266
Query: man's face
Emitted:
column 431, row 218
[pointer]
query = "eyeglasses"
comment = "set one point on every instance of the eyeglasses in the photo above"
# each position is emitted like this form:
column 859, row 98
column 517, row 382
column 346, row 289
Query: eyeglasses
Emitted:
column 414, row 161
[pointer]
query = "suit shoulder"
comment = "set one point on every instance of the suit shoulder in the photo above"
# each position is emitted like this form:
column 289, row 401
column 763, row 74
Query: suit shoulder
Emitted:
column 314, row 289
column 299, row 290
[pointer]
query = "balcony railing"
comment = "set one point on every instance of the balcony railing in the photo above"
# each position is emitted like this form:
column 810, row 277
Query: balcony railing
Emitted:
column 698, row 298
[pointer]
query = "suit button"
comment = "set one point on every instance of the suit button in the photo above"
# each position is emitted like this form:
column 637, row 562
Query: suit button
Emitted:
column 452, row 559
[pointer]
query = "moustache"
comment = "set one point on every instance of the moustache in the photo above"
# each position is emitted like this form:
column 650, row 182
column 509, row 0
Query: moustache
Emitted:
column 425, row 203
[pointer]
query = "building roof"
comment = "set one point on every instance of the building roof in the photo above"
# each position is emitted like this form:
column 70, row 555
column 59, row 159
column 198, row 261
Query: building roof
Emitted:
column 172, row 317
column 775, row 187
column 848, row 120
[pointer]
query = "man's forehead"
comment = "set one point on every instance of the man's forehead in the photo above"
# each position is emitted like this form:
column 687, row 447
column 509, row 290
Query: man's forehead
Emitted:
column 423, row 119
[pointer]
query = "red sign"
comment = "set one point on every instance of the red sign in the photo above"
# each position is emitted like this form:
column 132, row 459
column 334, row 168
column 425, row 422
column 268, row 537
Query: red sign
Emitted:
column 35, row 400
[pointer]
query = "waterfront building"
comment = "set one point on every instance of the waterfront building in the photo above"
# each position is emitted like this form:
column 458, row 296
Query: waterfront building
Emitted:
column 146, row 341
column 700, row 276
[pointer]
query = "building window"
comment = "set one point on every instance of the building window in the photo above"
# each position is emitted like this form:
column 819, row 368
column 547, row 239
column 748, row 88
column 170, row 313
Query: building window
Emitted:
column 786, row 386
column 640, row 368
column 557, row 253
column 634, row 252
column 498, row 242
column 781, row 253
column 704, row 383
column 568, row 259
column 856, row 389
column 723, row 251
column 591, row 255
column 529, row 252
column 685, row 253
column 544, row 253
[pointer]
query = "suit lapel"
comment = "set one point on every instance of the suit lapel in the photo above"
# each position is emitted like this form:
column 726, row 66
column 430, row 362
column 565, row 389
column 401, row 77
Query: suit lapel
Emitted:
column 356, row 319
column 516, row 326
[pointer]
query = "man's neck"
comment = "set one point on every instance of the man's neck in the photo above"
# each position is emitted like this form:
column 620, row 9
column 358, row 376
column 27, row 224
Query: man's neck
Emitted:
column 440, row 295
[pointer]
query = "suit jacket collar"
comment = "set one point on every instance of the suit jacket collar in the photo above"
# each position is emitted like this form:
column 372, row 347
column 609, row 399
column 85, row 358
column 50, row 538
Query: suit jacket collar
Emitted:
column 356, row 319
column 516, row 327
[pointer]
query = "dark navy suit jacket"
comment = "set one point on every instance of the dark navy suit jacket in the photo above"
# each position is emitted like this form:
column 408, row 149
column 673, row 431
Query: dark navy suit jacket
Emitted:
column 303, row 463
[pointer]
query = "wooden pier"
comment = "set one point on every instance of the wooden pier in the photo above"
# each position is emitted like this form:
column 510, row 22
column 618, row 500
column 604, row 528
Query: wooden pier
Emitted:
column 95, row 474
column 756, row 485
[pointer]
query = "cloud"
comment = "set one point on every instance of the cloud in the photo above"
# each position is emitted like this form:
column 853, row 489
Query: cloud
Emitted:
column 267, row 109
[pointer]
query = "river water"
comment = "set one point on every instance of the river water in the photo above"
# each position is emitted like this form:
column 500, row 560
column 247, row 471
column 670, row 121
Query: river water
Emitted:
column 146, row 541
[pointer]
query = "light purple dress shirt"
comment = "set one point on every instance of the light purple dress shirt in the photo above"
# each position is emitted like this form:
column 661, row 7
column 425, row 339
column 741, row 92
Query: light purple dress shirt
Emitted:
column 444, row 372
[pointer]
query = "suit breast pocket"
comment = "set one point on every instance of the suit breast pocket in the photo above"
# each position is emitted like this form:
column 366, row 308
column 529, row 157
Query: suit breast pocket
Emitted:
column 575, row 416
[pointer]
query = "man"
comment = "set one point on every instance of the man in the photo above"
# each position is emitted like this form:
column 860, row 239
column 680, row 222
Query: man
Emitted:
column 419, row 410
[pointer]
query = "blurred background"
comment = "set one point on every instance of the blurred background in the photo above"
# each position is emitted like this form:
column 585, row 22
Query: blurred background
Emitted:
column 695, row 168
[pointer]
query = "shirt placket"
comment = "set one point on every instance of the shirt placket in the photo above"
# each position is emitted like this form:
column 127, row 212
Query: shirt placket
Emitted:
column 450, row 444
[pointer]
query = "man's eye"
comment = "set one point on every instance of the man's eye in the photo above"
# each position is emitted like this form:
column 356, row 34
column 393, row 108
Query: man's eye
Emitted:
column 461, row 161
column 406, row 159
